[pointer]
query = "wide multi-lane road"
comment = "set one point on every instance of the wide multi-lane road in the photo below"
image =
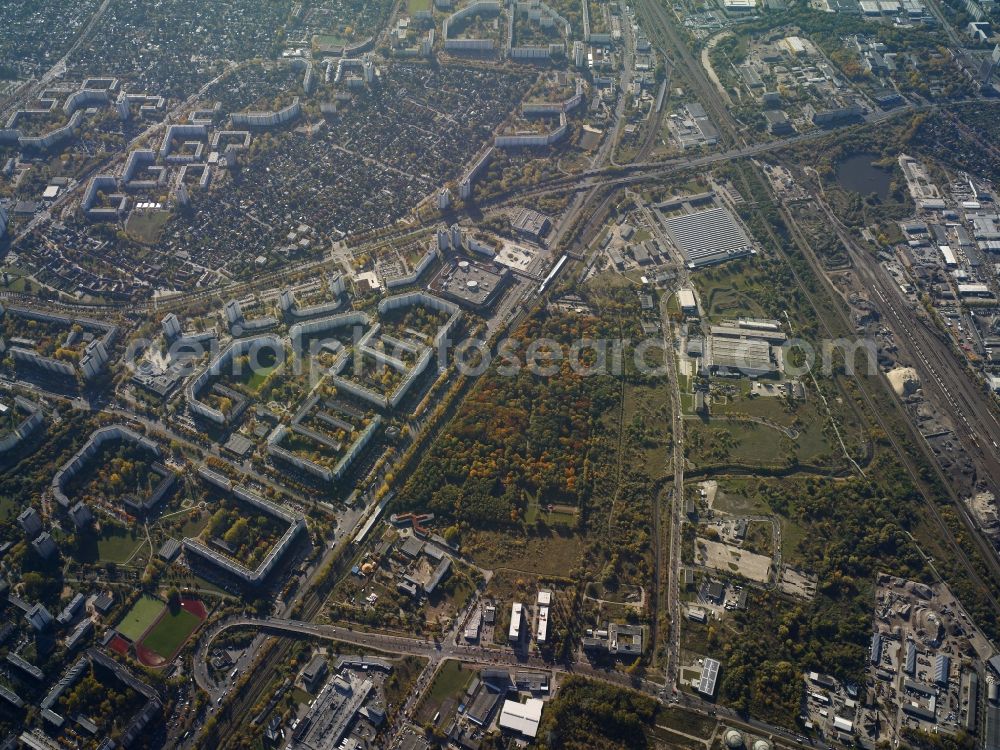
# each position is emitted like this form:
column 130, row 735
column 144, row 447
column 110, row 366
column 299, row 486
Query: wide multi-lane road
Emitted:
column 484, row 656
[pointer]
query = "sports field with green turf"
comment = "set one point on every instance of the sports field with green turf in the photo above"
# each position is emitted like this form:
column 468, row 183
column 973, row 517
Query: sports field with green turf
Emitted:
column 170, row 632
column 143, row 614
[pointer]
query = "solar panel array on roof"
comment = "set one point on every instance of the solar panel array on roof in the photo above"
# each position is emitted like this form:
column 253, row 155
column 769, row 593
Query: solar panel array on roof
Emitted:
column 709, row 676
column 911, row 658
column 876, row 649
column 709, row 236
column 992, row 726
column 941, row 666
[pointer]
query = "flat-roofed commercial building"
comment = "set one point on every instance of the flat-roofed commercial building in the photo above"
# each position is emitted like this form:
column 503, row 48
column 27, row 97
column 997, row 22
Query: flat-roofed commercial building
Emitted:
column 522, row 718
column 709, row 236
column 516, row 615
column 750, row 357
column 709, row 677
column 687, row 302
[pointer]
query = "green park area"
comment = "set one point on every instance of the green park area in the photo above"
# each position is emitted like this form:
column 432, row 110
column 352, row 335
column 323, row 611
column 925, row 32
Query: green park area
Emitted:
column 117, row 545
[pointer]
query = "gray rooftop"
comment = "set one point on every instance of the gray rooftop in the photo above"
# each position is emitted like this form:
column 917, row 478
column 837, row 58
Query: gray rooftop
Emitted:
column 708, row 236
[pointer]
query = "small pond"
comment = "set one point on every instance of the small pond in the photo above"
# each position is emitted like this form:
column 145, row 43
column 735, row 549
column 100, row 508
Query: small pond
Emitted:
column 858, row 174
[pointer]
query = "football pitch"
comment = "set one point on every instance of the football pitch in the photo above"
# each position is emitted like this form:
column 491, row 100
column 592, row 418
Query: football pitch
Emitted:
column 143, row 614
column 170, row 632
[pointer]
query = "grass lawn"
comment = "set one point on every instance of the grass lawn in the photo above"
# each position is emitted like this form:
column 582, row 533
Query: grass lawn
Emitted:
column 328, row 40
column 9, row 506
column 170, row 632
column 694, row 636
column 791, row 535
column 17, row 284
column 461, row 595
column 651, row 406
column 727, row 292
column 728, row 302
column 116, row 545
column 449, row 683
column 143, row 613
column 257, row 378
column 560, row 515
column 721, row 441
column 766, row 407
column 553, row 554
column 666, row 737
column 812, row 445
column 673, row 305
column 18, row 276
column 729, row 499
column 755, row 443
column 618, row 594
column 205, row 585
column 415, row 6
column 146, row 226
column 194, row 525
column 687, row 722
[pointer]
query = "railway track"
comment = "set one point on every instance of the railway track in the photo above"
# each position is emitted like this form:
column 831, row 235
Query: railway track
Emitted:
column 888, row 429
column 945, row 376
column 662, row 27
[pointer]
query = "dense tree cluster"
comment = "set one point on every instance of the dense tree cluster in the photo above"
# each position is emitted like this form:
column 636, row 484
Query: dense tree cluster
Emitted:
column 117, row 471
column 856, row 529
column 918, row 740
column 517, row 435
column 248, row 536
column 96, row 699
column 596, row 716
column 956, row 138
